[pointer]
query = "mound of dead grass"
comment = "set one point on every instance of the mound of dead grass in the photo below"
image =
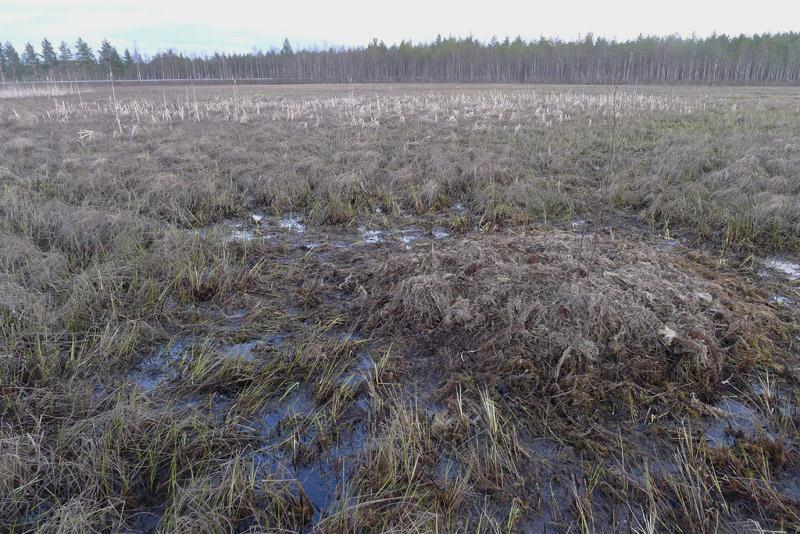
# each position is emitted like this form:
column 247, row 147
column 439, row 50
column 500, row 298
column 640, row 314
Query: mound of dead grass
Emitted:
column 552, row 311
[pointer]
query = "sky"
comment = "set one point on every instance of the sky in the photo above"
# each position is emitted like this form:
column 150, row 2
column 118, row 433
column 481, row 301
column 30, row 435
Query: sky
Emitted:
column 240, row 25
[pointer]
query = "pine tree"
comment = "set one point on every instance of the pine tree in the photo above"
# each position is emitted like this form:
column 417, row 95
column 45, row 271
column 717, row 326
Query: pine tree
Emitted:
column 104, row 54
column 30, row 57
column 84, row 56
column 49, row 57
column 83, row 53
column 31, row 60
column 12, row 59
column 128, row 68
column 64, row 53
column 287, row 48
column 109, row 58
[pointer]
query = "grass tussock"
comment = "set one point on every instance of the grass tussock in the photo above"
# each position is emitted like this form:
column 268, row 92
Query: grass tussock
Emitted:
column 549, row 312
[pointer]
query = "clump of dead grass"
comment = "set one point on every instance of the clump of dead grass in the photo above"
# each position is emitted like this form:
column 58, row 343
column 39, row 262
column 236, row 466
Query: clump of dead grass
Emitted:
column 625, row 314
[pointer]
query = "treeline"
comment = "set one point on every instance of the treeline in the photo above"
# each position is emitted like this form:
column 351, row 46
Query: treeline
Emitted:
column 67, row 63
column 718, row 59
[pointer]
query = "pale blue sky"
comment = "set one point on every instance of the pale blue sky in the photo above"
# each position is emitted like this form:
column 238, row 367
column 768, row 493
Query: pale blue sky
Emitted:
column 229, row 25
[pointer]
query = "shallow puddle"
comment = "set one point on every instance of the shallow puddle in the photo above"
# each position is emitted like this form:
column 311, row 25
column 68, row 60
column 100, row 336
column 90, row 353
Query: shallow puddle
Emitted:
column 360, row 372
column 322, row 479
column 408, row 236
column 440, row 233
column 736, row 418
column 298, row 234
column 782, row 300
column 780, row 400
column 148, row 521
column 242, row 235
column 293, row 223
column 408, row 239
column 668, row 244
column 159, row 368
column 786, row 267
column 371, row 236
column 297, row 403
column 789, row 485
column 243, row 351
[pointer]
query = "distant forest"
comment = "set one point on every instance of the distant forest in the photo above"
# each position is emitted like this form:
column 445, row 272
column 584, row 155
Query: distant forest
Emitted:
column 718, row 59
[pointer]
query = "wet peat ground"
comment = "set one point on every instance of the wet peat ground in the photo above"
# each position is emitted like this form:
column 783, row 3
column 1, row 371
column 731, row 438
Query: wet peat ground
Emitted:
column 322, row 442
column 338, row 309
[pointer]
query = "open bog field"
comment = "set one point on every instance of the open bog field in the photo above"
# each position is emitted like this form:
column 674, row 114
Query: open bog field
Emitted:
column 409, row 308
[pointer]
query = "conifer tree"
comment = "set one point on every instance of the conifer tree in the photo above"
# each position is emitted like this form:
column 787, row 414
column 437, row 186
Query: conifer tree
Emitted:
column 128, row 68
column 49, row 57
column 30, row 57
column 64, row 53
column 83, row 53
column 12, row 60
column 31, row 60
column 756, row 59
column 109, row 58
column 84, row 57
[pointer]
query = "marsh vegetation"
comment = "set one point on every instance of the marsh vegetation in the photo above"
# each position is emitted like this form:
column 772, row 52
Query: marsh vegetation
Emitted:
column 415, row 308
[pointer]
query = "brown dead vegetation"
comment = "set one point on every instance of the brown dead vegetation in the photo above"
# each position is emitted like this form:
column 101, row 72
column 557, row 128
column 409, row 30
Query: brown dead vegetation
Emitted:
column 552, row 312
column 428, row 353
